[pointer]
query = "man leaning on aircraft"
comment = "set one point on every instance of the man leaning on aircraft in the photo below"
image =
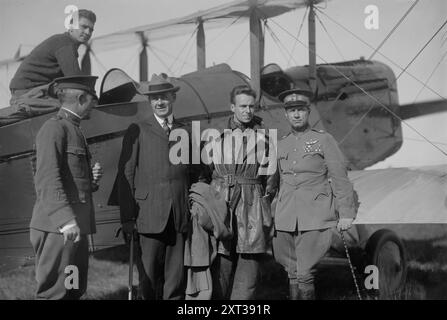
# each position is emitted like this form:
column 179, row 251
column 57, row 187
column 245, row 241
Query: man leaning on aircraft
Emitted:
column 55, row 57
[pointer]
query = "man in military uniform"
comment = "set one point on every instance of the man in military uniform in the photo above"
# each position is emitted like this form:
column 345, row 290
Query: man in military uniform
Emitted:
column 63, row 214
column 305, row 209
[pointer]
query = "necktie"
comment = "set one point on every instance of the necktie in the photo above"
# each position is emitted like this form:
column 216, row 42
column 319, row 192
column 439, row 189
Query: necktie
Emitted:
column 166, row 127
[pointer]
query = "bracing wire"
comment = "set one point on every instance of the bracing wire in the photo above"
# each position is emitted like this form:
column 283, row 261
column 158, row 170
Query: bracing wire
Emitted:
column 392, row 30
column 372, row 105
column 330, row 38
column 131, row 62
column 365, row 92
column 164, row 52
column 188, row 53
column 298, row 35
column 420, row 140
column 224, row 30
column 237, row 47
column 279, row 44
column 425, row 45
column 159, row 59
column 98, row 61
column 384, row 56
column 184, row 47
column 430, row 76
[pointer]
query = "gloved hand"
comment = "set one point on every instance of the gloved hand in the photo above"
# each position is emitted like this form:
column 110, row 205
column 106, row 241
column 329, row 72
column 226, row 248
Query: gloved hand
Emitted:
column 344, row 224
column 128, row 228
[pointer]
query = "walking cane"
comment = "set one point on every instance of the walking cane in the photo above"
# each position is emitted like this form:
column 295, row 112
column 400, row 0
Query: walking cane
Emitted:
column 130, row 285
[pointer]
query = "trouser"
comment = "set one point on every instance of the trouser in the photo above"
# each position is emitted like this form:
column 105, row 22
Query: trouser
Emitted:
column 162, row 258
column 61, row 270
column 235, row 276
column 299, row 252
column 33, row 102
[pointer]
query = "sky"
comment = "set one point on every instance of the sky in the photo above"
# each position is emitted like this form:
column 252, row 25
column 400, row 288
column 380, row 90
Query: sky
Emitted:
column 28, row 22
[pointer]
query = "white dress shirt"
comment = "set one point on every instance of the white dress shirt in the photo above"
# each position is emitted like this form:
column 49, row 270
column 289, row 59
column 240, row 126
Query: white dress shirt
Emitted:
column 162, row 120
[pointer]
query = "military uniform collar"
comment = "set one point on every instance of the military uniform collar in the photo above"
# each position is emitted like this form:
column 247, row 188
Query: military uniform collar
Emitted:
column 70, row 116
column 300, row 133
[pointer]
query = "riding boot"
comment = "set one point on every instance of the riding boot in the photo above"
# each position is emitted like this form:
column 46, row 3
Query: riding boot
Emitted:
column 294, row 291
column 306, row 291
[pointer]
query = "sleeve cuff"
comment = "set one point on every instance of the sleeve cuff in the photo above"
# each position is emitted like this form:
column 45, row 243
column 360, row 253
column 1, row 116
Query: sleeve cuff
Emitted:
column 62, row 216
column 348, row 213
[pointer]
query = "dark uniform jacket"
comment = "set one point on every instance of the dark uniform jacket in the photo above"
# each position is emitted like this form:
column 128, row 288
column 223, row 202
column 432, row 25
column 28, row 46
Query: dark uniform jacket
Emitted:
column 150, row 186
column 306, row 162
column 63, row 178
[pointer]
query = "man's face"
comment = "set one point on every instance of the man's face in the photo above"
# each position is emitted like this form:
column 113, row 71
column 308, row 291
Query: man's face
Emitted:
column 298, row 116
column 243, row 108
column 162, row 104
column 84, row 32
column 89, row 102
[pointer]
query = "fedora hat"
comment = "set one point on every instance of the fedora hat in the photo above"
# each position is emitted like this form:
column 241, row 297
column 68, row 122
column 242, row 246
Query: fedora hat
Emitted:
column 158, row 84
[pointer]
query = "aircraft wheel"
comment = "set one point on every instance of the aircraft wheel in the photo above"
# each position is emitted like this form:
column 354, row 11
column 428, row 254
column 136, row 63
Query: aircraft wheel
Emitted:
column 386, row 251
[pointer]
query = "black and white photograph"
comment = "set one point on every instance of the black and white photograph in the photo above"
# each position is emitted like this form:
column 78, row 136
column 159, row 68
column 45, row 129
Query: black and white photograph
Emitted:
column 216, row 150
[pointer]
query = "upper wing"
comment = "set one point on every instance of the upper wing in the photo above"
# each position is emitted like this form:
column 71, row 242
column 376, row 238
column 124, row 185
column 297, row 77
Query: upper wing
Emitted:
column 217, row 17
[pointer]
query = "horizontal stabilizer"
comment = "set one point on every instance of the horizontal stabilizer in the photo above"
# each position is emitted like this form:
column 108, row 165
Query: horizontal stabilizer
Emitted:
column 419, row 109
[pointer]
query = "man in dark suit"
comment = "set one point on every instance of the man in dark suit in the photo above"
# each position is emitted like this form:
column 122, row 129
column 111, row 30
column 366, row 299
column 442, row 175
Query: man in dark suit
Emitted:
column 63, row 214
column 153, row 193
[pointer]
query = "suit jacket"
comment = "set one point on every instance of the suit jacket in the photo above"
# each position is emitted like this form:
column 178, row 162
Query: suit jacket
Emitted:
column 150, row 186
column 306, row 198
column 63, row 178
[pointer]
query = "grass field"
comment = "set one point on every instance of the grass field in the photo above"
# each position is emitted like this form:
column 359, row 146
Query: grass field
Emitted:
column 108, row 274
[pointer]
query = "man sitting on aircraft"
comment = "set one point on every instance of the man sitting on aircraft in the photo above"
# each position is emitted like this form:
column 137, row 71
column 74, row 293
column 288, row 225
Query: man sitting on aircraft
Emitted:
column 63, row 214
column 55, row 57
column 305, row 210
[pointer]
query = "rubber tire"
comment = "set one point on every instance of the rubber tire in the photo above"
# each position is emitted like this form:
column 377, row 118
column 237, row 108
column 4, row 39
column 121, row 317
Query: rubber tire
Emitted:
column 380, row 241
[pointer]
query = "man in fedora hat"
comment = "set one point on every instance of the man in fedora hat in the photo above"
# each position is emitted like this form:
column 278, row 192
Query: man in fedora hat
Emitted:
column 305, row 210
column 63, row 214
column 153, row 192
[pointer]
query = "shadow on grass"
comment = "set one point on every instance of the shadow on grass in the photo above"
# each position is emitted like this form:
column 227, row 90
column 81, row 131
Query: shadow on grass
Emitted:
column 108, row 277
column 114, row 254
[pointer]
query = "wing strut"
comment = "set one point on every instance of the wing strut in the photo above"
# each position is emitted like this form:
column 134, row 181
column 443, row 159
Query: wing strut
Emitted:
column 144, row 67
column 256, row 50
column 312, row 49
column 201, row 53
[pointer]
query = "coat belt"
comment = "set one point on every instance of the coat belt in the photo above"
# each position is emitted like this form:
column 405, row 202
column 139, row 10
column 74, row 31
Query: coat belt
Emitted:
column 235, row 181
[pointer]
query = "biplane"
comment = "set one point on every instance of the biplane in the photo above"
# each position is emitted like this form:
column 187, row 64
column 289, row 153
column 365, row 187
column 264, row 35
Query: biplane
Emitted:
column 356, row 101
